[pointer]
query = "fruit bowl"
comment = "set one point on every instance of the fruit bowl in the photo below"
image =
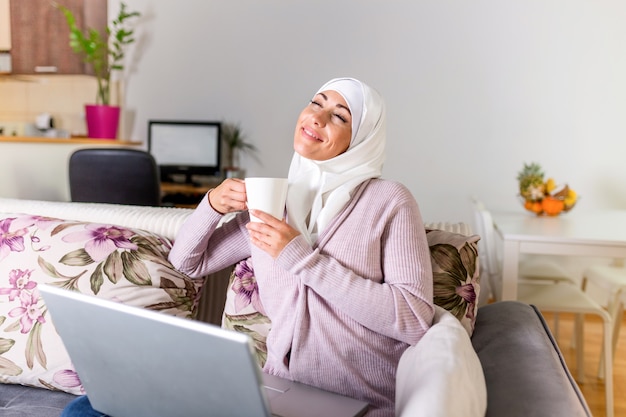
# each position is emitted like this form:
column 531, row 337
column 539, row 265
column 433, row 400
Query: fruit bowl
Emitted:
column 544, row 197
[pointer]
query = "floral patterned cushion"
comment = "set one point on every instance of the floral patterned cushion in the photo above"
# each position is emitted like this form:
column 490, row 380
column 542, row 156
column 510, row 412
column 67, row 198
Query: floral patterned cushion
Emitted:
column 456, row 285
column 243, row 310
column 107, row 261
column 456, row 275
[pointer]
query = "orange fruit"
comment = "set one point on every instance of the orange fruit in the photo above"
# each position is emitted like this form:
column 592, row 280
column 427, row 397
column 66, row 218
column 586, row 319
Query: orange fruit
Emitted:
column 528, row 205
column 552, row 206
column 534, row 206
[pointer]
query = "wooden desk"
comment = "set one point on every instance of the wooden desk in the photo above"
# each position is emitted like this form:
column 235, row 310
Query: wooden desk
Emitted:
column 594, row 234
column 184, row 195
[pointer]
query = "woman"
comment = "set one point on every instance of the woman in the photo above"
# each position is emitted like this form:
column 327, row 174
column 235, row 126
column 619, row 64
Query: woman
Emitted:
column 345, row 277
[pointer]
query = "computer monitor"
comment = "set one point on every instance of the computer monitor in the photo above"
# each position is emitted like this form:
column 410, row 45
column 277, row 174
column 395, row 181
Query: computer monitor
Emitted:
column 185, row 150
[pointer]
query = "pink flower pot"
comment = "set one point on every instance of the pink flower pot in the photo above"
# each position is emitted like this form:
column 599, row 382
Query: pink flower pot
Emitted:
column 102, row 121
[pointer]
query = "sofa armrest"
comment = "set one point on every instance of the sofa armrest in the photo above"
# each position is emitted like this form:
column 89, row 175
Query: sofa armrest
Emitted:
column 525, row 372
column 164, row 221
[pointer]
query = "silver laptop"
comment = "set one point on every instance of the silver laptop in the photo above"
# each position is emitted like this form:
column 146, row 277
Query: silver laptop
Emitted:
column 135, row 362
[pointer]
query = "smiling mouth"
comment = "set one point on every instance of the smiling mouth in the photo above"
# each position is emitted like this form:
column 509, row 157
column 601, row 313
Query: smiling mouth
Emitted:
column 310, row 134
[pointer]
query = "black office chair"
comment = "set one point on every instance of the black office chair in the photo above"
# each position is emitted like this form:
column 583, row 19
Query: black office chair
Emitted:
column 114, row 175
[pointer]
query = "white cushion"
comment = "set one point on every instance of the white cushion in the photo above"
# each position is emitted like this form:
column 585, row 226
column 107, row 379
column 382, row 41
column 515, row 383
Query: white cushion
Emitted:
column 441, row 375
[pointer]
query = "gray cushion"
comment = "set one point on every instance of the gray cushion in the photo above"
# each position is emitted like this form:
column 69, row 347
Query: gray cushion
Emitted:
column 525, row 372
column 22, row 401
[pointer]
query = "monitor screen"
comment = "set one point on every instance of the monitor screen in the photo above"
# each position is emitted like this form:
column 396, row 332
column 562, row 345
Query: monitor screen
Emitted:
column 185, row 149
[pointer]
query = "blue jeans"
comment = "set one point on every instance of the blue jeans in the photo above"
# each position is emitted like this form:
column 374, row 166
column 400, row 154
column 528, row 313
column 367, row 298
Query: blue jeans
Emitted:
column 81, row 407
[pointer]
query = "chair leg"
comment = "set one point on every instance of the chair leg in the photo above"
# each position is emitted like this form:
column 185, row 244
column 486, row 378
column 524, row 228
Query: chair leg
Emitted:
column 617, row 324
column 580, row 347
column 608, row 366
column 616, row 311
column 583, row 286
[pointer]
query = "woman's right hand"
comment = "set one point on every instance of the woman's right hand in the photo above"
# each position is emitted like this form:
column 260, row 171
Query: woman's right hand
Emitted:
column 229, row 196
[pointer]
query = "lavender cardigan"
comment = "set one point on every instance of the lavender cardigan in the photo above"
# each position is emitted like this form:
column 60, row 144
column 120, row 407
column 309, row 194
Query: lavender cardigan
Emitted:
column 344, row 311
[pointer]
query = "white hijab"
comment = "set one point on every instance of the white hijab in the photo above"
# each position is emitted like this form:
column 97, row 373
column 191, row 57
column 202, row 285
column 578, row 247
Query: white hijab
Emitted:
column 322, row 188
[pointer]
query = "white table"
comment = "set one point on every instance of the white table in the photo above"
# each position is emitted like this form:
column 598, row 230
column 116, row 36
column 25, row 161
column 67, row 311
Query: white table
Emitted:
column 594, row 234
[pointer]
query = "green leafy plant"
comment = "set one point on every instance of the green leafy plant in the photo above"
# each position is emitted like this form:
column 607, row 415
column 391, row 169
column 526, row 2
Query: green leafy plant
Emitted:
column 235, row 141
column 104, row 52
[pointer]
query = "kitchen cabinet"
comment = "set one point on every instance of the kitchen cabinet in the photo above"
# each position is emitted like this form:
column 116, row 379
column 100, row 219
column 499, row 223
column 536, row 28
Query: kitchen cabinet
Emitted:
column 5, row 26
column 40, row 35
column 5, row 37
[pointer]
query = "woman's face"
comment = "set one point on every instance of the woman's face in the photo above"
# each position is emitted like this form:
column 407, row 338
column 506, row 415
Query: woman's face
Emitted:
column 324, row 127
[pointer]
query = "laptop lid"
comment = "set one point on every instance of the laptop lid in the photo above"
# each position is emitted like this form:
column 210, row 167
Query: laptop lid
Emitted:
column 135, row 362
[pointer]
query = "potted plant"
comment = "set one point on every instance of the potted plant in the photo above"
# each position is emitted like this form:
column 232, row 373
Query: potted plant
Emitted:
column 235, row 144
column 105, row 53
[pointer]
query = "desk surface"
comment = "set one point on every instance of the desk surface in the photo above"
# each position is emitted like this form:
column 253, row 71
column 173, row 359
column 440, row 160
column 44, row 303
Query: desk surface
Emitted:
column 184, row 195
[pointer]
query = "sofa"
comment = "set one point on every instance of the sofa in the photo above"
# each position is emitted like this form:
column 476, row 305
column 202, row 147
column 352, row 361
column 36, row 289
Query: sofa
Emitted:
column 498, row 359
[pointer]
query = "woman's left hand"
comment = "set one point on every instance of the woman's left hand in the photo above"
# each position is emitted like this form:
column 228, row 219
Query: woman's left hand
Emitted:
column 271, row 236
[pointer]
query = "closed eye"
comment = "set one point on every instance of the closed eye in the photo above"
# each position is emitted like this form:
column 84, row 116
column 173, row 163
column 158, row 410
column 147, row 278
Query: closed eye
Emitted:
column 340, row 117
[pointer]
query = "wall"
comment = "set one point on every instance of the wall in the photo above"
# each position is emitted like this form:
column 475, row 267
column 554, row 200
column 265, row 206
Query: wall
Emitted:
column 474, row 88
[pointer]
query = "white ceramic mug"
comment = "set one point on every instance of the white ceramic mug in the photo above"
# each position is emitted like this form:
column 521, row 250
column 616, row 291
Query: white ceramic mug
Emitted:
column 266, row 194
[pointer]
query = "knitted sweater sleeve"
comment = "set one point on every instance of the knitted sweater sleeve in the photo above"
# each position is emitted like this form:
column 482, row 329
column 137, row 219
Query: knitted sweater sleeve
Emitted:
column 393, row 295
column 201, row 247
